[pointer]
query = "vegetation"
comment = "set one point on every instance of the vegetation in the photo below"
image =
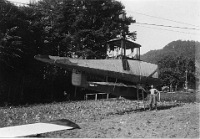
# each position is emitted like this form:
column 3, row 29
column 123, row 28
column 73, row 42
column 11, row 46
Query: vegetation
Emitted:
column 180, row 97
column 50, row 27
column 65, row 28
column 87, row 114
column 173, row 60
column 80, row 111
column 197, row 66
column 77, row 111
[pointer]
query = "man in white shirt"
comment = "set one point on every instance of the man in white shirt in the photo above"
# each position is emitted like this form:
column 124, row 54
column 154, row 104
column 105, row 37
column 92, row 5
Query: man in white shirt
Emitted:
column 132, row 54
column 153, row 97
column 110, row 53
column 67, row 95
column 116, row 50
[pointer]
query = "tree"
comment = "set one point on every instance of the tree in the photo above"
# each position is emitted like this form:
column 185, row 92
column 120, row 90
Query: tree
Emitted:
column 173, row 60
column 173, row 68
column 18, row 45
column 50, row 27
column 82, row 25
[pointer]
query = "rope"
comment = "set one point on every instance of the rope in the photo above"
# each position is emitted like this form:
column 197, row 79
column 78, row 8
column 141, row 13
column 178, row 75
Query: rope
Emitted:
column 139, row 79
column 115, row 84
column 158, row 96
column 138, row 86
column 140, row 72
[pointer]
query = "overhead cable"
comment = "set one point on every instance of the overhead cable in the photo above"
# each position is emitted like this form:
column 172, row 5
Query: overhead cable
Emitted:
column 167, row 26
column 167, row 29
column 163, row 18
column 147, row 23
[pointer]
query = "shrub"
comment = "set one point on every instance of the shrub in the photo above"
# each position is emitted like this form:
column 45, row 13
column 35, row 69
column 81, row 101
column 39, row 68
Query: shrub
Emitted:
column 180, row 97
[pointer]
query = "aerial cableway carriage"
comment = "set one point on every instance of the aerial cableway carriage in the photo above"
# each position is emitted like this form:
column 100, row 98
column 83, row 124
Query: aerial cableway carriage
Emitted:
column 122, row 64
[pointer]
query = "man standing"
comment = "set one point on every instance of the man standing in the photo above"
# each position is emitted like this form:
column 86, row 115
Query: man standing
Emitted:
column 110, row 53
column 153, row 97
column 67, row 96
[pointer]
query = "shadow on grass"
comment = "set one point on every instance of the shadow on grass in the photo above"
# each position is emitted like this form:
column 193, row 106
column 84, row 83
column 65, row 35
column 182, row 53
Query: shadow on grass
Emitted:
column 161, row 107
column 121, row 112
column 128, row 111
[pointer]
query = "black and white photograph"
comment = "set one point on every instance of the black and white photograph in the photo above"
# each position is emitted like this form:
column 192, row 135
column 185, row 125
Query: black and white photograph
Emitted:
column 99, row 68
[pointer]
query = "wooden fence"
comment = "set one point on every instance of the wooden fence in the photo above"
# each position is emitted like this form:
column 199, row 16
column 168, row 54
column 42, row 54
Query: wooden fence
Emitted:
column 96, row 95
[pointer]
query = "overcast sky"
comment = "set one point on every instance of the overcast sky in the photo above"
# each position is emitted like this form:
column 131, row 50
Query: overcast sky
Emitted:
column 154, row 12
column 174, row 13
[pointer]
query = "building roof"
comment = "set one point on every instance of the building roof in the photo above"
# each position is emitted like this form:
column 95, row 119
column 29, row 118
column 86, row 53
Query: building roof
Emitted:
column 129, row 43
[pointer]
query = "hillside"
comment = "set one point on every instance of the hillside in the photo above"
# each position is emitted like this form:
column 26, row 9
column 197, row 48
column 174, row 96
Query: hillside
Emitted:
column 197, row 66
column 175, row 60
column 197, row 59
column 175, row 48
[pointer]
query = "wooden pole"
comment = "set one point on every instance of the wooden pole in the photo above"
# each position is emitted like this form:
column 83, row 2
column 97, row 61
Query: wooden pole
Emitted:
column 107, row 96
column 75, row 92
column 86, row 97
column 95, row 96
column 143, row 94
column 139, row 54
column 159, row 96
column 143, row 98
column 137, row 92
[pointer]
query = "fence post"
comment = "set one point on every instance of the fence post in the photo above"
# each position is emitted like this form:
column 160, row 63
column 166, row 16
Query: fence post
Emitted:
column 137, row 91
column 143, row 98
column 95, row 96
column 107, row 96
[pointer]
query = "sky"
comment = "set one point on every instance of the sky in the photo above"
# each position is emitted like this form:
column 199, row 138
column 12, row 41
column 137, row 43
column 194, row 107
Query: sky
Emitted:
column 182, row 15
column 175, row 13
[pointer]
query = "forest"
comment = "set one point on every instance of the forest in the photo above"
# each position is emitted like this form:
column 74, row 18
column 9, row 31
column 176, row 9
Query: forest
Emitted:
column 174, row 60
column 65, row 28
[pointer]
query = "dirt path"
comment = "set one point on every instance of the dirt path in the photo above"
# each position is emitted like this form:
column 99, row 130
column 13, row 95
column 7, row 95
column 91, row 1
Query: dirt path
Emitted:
column 181, row 121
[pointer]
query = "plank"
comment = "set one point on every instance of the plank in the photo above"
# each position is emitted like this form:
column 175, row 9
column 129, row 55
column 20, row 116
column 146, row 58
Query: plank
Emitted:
column 36, row 128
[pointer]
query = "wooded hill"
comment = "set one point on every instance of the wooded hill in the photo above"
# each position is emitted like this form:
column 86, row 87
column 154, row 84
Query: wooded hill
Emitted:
column 175, row 48
column 197, row 67
column 173, row 60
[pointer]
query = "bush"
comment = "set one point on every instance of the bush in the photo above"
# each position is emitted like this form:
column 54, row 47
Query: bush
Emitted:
column 180, row 97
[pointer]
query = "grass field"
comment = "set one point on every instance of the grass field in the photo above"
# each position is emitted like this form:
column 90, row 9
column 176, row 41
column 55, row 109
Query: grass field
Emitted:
column 40, row 112
column 83, row 111
column 78, row 110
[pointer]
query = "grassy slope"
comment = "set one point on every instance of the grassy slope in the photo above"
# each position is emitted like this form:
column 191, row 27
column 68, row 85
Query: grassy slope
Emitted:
column 82, row 112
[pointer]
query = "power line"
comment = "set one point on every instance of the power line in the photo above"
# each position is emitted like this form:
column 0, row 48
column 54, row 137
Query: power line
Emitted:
column 163, row 18
column 147, row 23
column 169, row 30
column 168, row 26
